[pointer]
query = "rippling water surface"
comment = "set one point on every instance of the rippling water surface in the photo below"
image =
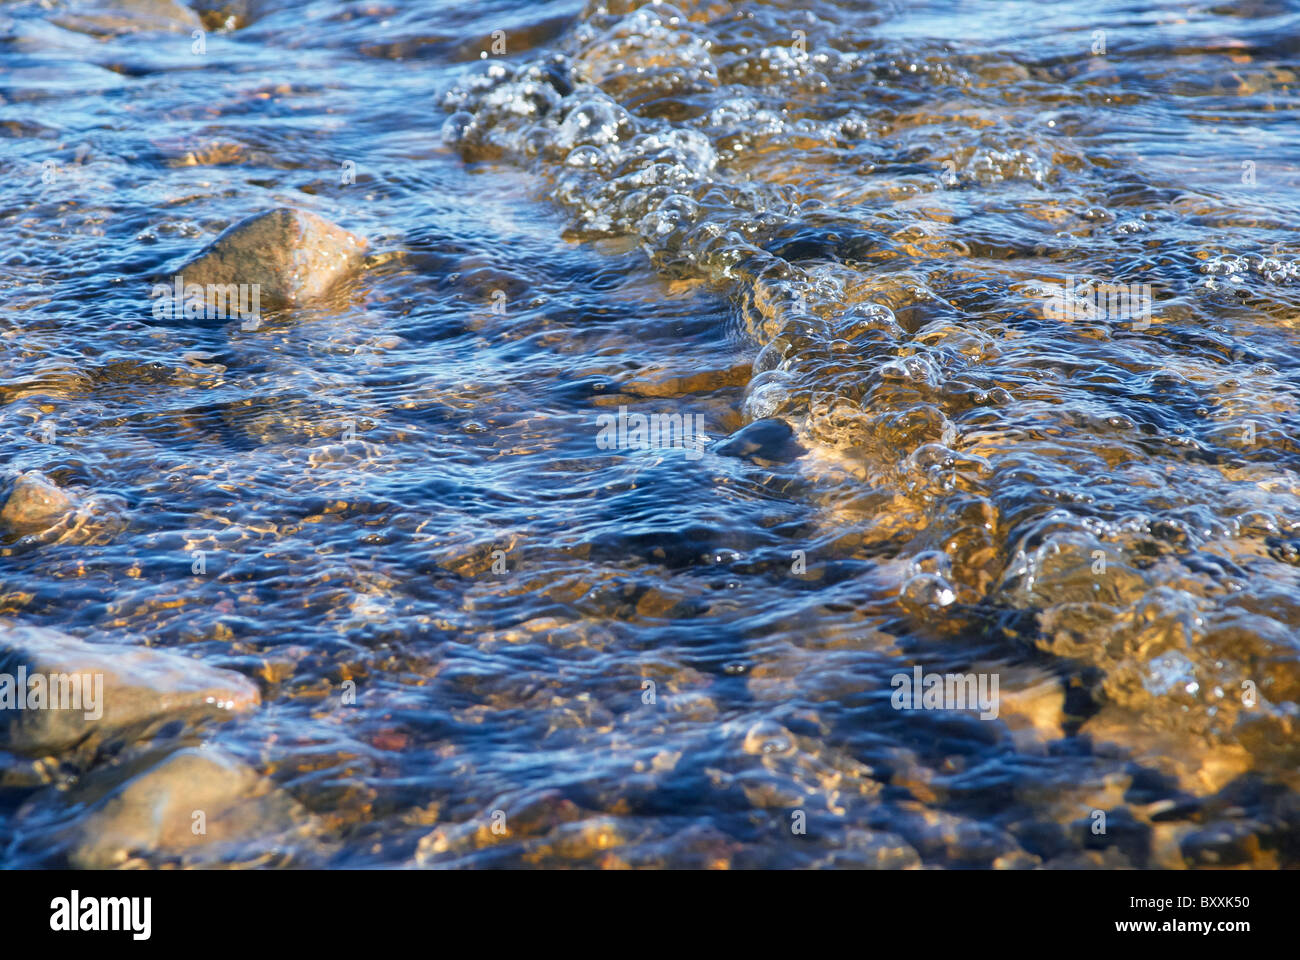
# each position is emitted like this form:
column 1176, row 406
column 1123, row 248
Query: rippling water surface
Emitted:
column 832, row 232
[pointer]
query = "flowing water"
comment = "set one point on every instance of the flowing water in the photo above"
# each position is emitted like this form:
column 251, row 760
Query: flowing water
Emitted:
column 859, row 246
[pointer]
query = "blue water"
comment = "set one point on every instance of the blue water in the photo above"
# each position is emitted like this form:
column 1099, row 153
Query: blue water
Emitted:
column 830, row 231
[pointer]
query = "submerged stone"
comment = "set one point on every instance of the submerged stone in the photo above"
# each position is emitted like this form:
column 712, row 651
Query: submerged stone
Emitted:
column 35, row 503
column 284, row 257
column 58, row 692
column 117, row 17
column 768, row 439
column 198, row 804
column 1197, row 764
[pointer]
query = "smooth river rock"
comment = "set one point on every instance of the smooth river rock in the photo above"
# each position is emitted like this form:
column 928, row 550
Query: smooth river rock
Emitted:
column 768, row 439
column 123, row 690
column 100, row 18
column 293, row 256
column 199, row 804
column 34, row 504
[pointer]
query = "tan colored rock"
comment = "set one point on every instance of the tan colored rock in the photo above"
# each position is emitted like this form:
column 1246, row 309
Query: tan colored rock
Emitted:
column 1201, row 766
column 196, row 804
column 292, row 256
column 35, row 503
column 104, row 690
column 104, row 18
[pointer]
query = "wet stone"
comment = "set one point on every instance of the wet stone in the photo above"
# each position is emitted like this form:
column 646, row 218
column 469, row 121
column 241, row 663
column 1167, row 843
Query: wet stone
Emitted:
column 199, row 804
column 34, row 504
column 771, row 440
column 126, row 16
column 290, row 255
column 102, row 690
column 1223, row 845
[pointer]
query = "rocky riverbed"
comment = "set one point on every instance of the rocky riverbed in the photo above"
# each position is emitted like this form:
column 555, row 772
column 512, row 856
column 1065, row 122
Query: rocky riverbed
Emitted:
column 543, row 434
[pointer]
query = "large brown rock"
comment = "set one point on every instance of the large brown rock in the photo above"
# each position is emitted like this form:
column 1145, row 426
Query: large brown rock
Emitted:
column 34, row 504
column 124, row 691
column 292, row 256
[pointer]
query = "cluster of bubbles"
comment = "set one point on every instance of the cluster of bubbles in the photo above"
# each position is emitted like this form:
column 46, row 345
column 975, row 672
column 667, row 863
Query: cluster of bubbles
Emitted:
column 873, row 343
column 1235, row 271
column 639, row 125
column 663, row 181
